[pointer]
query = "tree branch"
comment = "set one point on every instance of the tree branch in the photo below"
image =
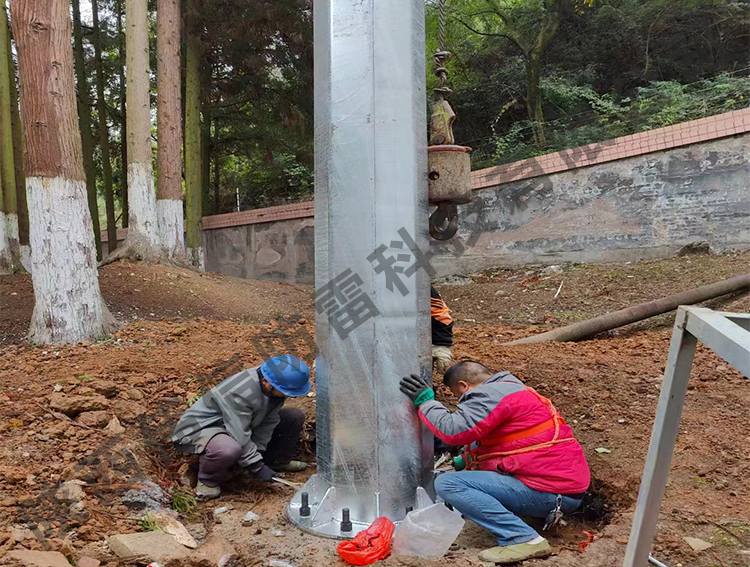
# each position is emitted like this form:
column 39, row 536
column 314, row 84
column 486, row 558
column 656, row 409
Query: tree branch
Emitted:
column 493, row 34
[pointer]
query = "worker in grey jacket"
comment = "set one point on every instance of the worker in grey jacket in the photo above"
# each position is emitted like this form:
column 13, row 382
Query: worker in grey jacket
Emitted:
column 242, row 421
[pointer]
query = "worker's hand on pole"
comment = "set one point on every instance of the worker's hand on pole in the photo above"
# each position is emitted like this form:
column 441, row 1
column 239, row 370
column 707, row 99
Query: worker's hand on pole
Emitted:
column 417, row 388
column 262, row 472
column 441, row 358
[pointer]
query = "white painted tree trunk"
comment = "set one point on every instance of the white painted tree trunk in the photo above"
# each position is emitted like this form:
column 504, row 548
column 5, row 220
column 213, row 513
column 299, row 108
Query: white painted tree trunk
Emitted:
column 143, row 228
column 195, row 257
column 6, row 257
column 69, row 306
column 25, row 254
column 11, row 222
column 171, row 229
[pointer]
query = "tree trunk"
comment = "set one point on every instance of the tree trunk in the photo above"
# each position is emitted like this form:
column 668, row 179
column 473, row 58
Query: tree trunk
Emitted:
column 534, row 100
column 548, row 30
column 142, row 241
column 69, row 306
column 205, row 155
column 9, row 250
column 84, row 123
column 169, row 131
column 124, row 120
column 216, row 168
column 101, row 105
column 193, row 169
column 23, row 211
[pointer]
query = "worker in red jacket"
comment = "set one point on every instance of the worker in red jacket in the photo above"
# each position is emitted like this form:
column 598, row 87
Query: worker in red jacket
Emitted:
column 520, row 456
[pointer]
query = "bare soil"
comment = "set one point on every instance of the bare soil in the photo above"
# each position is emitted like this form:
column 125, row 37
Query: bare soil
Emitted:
column 187, row 331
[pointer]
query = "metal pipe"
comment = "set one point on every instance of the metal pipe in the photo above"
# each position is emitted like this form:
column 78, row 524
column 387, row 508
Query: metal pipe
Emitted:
column 374, row 457
column 590, row 327
column 656, row 562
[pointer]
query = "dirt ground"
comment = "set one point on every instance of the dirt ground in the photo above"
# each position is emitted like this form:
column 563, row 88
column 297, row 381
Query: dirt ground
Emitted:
column 186, row 331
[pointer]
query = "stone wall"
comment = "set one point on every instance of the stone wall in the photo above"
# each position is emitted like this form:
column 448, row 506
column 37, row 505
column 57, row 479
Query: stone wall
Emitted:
column 280, row 251
column 642, row 207
column 639, row 196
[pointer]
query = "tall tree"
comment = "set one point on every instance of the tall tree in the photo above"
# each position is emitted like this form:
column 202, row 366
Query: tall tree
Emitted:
column 6, row 258
column 84, row 123
column 69, row 306
column 9, row 252
column 23, row 212
column 530, row 33
column 101, row 110
column 123, row 116
column 193, row 167
column 216, row 166
column 169, row 130
column 142, row 241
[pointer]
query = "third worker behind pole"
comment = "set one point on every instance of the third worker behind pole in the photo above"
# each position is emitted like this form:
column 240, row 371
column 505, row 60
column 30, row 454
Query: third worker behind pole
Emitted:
column 442, row 332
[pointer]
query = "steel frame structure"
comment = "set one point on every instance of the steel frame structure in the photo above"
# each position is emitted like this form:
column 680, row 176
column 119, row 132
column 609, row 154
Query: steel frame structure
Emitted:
column 728, row 335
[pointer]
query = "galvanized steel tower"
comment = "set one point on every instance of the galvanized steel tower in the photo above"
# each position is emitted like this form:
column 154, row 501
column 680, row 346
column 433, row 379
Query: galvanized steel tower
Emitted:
column 372, row 325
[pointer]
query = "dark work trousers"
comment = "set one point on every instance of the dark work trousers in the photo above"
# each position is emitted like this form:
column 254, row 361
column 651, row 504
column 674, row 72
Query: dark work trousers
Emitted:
column 223, row 451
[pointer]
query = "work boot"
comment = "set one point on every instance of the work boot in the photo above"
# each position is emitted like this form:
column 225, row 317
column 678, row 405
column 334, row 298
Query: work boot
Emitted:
column 291, row 466
column 203, row 492
column 515, row 553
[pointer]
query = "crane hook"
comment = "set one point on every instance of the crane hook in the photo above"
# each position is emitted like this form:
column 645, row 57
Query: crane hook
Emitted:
column 444, row 221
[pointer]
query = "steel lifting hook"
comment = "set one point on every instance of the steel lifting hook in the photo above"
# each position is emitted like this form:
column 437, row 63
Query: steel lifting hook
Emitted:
column 444, row 221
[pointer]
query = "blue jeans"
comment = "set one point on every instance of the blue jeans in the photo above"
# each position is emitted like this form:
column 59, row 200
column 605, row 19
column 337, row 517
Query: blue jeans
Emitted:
column 492, row 501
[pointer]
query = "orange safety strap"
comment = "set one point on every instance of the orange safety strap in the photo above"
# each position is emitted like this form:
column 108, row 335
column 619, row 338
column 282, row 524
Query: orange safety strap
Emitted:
column 555, row 421
column 439, row 311
column 523, row 434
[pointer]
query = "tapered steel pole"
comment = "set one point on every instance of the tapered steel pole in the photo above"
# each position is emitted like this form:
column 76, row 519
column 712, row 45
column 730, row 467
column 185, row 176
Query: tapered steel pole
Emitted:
column 374, row 457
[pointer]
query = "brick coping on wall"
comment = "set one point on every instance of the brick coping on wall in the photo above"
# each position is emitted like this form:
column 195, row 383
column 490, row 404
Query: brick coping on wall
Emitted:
column 686, row 133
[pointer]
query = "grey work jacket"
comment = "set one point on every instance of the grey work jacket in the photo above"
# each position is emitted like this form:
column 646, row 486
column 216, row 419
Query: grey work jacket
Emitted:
column 237, row 407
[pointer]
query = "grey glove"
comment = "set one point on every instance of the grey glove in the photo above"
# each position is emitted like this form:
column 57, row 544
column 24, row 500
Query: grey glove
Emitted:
column 263, row 472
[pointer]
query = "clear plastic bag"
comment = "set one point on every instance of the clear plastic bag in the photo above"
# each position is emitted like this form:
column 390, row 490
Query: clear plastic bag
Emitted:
column 428, row 532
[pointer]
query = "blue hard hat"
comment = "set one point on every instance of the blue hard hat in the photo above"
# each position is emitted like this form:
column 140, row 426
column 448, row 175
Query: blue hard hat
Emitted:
column 288, row 374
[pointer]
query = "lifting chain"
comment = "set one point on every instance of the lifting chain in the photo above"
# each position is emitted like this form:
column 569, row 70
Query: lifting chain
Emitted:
column 444, row 221
column 441, row 57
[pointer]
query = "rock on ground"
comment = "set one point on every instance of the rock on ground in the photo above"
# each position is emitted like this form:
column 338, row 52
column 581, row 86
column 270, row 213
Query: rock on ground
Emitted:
column 114, row 426
column 73, row 405
column 38, row 558
column 71, row 491
column 87, row 561
column 127, row 411
column 148, row 496
column 156, row 546
column 106, row 388
column 217, row 551
column 96, row 419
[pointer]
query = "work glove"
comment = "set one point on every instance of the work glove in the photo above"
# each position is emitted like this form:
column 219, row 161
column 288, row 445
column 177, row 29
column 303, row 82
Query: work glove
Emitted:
column 441, row 358
column 261, row 472
column 417, row 388
column 463, row 462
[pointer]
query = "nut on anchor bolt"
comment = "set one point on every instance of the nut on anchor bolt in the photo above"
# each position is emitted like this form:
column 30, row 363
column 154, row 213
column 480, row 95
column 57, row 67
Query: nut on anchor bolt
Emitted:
column 346, row 523
column 304, row 510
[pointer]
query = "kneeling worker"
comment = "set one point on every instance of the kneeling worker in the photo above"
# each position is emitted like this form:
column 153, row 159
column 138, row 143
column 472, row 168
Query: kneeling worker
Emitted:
column 242, row 421
column 521, row 456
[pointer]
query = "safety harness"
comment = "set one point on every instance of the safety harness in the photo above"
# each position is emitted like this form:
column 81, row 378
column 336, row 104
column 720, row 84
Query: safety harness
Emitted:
column 472, row 459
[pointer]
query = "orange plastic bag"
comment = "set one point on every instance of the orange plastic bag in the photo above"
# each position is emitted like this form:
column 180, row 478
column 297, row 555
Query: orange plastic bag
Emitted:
column 369, row 545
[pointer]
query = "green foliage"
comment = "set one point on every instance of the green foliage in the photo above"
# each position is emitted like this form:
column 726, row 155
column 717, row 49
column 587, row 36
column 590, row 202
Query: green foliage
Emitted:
column 590, row 117
column 184, row 502
column 147, row 523
column 615, row 67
